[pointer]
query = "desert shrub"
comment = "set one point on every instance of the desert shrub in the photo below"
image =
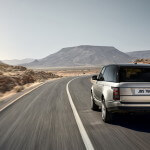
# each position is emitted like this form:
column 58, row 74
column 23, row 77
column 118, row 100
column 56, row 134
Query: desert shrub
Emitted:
column 26, row 79
column 18, row 88
column 6, row 83
column 19, row 68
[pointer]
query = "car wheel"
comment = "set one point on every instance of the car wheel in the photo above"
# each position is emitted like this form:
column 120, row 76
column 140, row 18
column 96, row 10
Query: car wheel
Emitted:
column 106, row 115
column 93, row 105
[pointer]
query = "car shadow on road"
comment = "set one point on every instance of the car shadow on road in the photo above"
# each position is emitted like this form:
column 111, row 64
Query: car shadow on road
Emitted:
column 137, row 122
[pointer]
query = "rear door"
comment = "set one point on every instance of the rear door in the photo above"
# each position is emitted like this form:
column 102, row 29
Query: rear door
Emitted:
column 109, row 78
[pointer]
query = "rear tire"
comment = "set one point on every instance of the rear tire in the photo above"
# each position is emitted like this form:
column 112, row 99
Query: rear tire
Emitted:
column 93, row 105
column 106, row 115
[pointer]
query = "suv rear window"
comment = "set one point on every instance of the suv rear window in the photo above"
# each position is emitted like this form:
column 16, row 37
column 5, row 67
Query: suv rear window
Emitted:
column 134, row 74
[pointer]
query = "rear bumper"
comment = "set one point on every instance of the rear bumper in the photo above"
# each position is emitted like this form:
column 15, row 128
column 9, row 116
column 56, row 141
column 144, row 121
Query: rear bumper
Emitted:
column 128, row 107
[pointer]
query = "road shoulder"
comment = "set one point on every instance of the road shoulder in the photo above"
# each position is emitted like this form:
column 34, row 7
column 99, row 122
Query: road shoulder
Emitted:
column 6, row 102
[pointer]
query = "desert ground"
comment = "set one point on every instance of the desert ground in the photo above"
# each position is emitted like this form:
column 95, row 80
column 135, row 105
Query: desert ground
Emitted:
column 73, row 71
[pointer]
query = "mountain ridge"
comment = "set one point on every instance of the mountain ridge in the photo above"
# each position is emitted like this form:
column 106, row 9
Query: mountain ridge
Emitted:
column 139, row 54
column 83, row 55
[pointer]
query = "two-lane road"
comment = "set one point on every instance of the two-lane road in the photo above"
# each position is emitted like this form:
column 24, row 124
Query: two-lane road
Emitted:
column 44, row 120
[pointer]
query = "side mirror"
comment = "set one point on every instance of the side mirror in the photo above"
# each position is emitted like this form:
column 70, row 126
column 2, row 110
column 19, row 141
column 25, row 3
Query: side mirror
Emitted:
column 101, row 79
column 94, row 77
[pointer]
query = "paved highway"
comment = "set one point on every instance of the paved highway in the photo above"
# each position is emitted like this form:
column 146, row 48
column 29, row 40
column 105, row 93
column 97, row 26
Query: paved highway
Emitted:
column 45, row 120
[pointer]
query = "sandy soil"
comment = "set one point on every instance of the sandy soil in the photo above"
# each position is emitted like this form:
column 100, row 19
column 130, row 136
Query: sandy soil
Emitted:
column 76, row 72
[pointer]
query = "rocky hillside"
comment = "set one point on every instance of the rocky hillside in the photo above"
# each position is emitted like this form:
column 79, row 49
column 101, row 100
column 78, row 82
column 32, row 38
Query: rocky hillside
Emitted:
column 83, row 55
column 12, row 76
column 139, row 54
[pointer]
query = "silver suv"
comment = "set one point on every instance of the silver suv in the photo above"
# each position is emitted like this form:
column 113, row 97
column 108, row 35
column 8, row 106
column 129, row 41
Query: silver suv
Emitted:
column 121, row 88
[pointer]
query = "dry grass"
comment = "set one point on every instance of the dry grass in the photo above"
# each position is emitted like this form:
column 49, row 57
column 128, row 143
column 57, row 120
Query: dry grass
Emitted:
column 18, row 88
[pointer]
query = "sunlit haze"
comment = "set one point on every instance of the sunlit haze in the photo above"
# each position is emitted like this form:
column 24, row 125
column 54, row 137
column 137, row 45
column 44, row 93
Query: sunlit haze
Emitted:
column 37, row 28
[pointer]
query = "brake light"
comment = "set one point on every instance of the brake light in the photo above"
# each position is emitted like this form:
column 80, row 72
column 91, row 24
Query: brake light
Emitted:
column 116, row 93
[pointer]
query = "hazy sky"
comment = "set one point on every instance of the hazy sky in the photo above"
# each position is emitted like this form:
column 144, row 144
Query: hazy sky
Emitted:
column 37, row 28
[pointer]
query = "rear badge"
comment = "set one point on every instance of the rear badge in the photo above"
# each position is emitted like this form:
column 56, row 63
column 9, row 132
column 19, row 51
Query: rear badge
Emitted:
column 142, row 91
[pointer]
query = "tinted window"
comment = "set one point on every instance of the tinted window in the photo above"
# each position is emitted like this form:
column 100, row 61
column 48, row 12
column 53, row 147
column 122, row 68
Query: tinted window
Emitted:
column 110, row 74
column 134, row 74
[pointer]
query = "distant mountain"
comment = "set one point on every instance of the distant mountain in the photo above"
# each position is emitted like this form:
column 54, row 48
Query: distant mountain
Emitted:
column 83, row 55
column 139, row 54
column 17, row 61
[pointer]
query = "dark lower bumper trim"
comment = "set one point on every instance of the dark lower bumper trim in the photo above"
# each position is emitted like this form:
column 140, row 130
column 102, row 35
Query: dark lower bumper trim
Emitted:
column 129, row 109
column 135, row 102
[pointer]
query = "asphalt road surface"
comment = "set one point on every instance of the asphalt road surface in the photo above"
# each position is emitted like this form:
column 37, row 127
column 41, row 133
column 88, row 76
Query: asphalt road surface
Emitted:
column 44, row 120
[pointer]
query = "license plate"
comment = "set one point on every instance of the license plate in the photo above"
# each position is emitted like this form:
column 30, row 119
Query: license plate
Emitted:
column 142, row 91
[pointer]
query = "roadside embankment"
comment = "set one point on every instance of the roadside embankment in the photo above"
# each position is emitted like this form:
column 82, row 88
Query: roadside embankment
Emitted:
column 17, row 78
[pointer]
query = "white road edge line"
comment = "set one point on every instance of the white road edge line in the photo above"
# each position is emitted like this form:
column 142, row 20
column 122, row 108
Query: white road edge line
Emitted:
column 7, row 105
column 84, row 135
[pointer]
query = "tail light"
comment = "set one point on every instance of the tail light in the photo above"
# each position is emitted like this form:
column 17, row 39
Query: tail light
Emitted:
column 116, row 93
